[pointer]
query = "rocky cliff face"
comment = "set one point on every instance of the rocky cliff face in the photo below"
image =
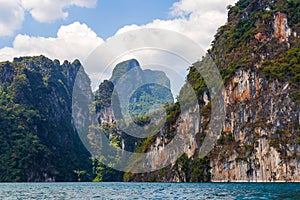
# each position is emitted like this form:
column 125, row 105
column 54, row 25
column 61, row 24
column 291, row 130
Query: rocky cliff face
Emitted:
column 262, row 110
column 257, row 53
column 262, row 119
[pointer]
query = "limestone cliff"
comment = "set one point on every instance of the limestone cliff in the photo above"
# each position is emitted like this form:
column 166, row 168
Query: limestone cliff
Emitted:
column 261, row 95
column 263, row 122
column 257, row 53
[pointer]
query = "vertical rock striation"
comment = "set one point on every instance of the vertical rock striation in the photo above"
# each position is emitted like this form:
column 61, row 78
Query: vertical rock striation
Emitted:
column 257, row 53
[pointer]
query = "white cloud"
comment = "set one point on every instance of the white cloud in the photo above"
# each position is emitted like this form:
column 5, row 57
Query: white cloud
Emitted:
column 12, row 11
column 50, row 10
column 197, row 19
column 74, row 41
column 11, row 16
column 185, row 7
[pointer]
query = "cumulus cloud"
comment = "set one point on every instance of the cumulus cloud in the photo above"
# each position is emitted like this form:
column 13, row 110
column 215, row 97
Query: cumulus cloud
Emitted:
column 196, row 19
column 12, row 12
column 11, row 16
column 185, row 7
column 74, row 41
column 48, row 11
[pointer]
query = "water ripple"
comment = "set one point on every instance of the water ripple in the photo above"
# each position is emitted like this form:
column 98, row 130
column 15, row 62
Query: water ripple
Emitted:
column 155, row 191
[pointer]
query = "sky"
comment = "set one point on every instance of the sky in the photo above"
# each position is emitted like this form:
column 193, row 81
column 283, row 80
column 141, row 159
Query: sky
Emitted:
column 72, row 29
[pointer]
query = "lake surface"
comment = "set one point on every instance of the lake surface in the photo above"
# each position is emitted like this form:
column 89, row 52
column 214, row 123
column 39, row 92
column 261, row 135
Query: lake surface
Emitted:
column 22, row 191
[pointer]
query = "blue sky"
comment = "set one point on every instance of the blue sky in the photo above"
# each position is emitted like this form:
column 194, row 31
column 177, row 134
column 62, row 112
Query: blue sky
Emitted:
column 105, row 19
column 49, row 27
column 73, row 29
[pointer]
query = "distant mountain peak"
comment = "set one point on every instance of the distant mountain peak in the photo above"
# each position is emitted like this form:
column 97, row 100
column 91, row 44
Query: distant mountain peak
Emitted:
column 124, row 67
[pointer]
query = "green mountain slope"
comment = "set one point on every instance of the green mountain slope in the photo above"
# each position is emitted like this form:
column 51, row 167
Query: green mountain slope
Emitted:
column 37, row 139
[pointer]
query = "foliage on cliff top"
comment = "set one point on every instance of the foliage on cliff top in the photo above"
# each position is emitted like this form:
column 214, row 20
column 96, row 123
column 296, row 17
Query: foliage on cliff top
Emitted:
column 236, row 46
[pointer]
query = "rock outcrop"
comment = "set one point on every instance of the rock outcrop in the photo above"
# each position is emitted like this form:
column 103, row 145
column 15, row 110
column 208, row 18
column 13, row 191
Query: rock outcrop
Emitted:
column 257, row 52
column 262, row 119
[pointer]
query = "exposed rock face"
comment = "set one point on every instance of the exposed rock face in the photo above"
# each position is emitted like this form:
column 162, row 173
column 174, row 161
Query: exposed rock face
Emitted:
column 260, row 139
column 261, row 133
column 260, row 115
column 258, row 111
column 186, row 130
column 106, row 115
column 281, row 27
